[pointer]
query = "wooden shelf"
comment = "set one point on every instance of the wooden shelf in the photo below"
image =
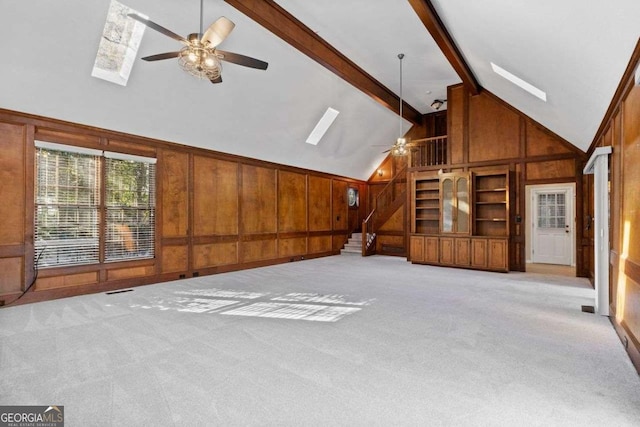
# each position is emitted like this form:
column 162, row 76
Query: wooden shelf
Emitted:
column 502, row 202
column 492, row 219
column 490, row 190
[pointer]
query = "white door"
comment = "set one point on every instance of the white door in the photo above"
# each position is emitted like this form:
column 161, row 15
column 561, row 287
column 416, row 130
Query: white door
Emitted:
column 553, row 225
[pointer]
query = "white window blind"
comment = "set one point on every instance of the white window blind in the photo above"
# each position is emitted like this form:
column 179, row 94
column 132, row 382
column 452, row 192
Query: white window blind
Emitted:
column 67, row 206
column 130, row 207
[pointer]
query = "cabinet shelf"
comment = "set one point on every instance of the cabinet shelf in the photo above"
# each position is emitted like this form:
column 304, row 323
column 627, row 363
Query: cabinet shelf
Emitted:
column 490, row 190
column 502, row 202
column 492, row 219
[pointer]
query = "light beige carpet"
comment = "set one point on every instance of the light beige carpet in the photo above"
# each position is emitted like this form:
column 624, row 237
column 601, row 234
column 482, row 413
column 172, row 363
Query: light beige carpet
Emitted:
column 331, row 341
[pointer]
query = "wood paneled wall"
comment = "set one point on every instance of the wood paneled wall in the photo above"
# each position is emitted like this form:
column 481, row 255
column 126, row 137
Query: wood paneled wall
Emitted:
column 215, row 212
column 621, row 131
column 484, row 132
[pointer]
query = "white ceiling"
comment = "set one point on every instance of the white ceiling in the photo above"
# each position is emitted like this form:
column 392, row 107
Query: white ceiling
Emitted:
column 574, row 50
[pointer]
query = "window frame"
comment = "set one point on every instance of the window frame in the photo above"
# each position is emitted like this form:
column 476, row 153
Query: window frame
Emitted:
column 148, row 250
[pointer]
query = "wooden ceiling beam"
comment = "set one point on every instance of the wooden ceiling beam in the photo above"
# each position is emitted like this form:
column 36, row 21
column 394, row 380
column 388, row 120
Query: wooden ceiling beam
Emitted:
column 429, row 17
column 284, row 25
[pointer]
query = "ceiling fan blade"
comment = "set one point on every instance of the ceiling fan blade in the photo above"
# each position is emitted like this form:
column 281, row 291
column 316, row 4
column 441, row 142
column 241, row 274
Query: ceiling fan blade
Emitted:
column 236, row 58
column 161, row 56
column 217, row 80
column 218, row 31
column 158, row 28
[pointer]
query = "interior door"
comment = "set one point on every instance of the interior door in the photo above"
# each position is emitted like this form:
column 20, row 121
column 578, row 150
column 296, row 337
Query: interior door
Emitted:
column 553, row 225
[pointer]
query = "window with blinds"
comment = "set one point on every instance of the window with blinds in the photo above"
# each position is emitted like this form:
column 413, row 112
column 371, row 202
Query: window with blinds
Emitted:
column 67, row 202
column 73, row 226
column 130, row 207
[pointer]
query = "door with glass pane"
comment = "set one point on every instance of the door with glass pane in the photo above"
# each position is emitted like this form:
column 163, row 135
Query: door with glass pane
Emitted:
column 455, row 203
column 553, row 226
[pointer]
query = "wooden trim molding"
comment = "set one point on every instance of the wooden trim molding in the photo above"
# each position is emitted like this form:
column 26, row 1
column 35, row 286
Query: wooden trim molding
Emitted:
column 284, row 25
column 429, row 17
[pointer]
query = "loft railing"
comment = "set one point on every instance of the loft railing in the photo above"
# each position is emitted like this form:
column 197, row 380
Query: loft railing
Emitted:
column 390, row 196
column 428, row 152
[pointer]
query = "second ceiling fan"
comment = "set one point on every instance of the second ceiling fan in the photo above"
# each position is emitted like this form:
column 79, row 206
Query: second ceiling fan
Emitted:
column 200, row 56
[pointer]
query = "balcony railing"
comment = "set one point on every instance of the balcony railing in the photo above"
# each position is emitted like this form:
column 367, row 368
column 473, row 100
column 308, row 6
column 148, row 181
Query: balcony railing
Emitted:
column 428, row 152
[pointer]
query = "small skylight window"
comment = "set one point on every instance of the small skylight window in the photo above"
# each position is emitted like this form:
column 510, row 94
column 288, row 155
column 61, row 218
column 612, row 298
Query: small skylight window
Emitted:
column 318, row 132
column 118, row 45
column 519, row 82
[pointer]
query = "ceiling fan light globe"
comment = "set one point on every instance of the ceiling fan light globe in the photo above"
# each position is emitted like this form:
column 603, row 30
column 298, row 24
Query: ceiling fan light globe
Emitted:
column 200, row 62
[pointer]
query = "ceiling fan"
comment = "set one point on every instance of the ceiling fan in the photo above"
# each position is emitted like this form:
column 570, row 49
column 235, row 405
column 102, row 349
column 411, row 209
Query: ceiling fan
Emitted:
column 200, row 56
column 403, row 143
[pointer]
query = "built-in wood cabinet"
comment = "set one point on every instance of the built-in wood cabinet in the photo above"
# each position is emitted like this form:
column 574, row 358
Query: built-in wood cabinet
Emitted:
column 425, row 204
column 460, row 219
column 490, row 203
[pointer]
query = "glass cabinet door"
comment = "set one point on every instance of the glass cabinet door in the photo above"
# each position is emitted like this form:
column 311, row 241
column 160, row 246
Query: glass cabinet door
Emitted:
column 462, row 205
column 447, row 205
column 455, row 209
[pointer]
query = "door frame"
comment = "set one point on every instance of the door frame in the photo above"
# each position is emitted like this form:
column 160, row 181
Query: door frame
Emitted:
column 530, row 215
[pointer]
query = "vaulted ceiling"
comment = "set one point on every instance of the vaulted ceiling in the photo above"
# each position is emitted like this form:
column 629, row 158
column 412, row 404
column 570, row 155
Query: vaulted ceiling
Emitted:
column 575, row 50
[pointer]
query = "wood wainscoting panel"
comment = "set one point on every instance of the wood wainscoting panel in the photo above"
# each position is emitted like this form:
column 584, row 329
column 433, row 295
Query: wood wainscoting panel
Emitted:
column 395, row 222
column 340, row 207
column 129, row 272
column 319, row 244
column 292, row 247
column 79, row 279
column 258, row 200
column 12, row 183
column 11, row 275
column 338, row 241
column 551, row 169
column 175, row 259
column 258, row 250
column 174, row 199
column 131, row 148
column 292, row 202
column 215, row 196
column 541, row 143
column 319, row 204
column 80, row 138
column 215, row 254
column 456, row 118
column 494, row 130
column 631, row 174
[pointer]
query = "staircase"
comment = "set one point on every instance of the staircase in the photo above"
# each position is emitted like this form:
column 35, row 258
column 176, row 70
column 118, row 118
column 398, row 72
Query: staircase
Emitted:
column 386, row 203
column 353, row 245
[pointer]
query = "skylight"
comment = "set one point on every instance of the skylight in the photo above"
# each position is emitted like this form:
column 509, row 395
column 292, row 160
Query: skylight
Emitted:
column 318, row 132
column 118, row 45
column 519, row 82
